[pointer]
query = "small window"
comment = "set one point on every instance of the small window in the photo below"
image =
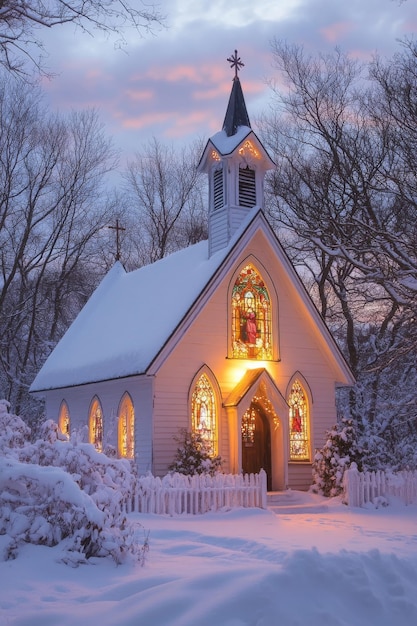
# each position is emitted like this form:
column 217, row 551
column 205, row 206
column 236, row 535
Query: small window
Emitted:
column 204, row 413
column 96, row 425
column 218, row 189
column 126, row 428
column 64, row 419
column 299, row 423
column 247, row 187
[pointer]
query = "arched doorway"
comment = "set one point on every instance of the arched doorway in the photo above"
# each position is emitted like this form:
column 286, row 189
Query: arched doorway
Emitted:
column 256, row 443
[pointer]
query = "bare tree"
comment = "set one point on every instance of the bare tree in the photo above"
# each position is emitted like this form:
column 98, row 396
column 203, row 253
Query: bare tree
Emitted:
column 345, row 195
column 22, row 20
column 52, row 210
column 164, row 190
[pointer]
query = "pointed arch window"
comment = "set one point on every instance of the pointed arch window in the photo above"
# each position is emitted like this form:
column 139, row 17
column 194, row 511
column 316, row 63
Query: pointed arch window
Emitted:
column 126, row 428
column 64, row 419
column 251, row 317
column 96, row 425
column 204, row 413
column 299, row 423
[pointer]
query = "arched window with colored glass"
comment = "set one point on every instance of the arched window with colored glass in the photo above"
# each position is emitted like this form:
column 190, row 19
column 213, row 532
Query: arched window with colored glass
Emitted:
column 204, row 413
column 251, row 317
column 96, row 425
column 126, row 428
column 64, row 419
column 299, row 426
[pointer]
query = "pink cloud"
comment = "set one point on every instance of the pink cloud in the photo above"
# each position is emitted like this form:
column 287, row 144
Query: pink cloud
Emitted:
column 202, row 73
column 172, row 74
column 143, row 121
column 336, row 31
column 187, row 124
column 139, row 94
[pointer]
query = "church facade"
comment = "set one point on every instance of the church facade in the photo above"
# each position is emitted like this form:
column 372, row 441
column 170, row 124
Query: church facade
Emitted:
column 220, row 338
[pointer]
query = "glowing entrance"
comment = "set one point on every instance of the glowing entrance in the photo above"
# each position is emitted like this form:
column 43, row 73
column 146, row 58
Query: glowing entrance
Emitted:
column 256, row 442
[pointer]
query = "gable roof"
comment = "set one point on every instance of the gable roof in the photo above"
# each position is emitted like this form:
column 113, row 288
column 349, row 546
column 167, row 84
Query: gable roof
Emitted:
column 129, row 318
column 132, row 317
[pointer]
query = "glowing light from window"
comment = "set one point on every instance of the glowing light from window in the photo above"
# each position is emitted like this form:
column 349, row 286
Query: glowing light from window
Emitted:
column 299, row 426
column 203, row 408
column 251, row 317
column 126, row 428
column 96, row 426
column 64, row 419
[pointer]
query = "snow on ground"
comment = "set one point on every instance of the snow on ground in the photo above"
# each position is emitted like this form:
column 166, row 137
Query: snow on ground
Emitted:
column 325, row 565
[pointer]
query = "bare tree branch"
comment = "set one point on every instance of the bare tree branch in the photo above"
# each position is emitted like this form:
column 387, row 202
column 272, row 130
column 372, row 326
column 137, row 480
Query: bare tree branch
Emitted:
column 21, row 22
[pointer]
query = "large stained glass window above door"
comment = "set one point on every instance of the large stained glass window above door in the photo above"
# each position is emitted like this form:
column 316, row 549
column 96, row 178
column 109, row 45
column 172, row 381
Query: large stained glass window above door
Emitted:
column 251, row 317
column 299, row 423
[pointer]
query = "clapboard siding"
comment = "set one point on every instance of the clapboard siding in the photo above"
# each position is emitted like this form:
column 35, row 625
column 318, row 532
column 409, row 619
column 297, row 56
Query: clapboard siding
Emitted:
column 299, row 476
column 205, row 343
column 161, row 398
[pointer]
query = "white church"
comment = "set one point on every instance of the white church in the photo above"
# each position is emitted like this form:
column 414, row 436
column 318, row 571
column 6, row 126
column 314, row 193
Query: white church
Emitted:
column 220, row 338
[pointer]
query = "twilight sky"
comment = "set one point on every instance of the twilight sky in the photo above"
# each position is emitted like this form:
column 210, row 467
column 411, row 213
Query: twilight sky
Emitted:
column 175, row 85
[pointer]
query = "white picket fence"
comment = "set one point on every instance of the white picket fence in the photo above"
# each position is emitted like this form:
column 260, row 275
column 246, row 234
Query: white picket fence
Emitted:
column 175, row 493
column 363, row 487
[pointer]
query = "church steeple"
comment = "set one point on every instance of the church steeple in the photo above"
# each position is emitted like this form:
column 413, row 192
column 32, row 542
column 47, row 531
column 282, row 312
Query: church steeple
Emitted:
column 236, row 113
column 235, row 161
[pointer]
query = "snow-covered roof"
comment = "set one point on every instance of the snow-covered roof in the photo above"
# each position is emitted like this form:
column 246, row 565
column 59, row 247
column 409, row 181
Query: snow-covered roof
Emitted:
column 129, row 318
column 227, row 144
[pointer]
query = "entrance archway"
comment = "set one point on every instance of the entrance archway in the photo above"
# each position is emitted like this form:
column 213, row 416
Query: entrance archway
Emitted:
column 256, row 443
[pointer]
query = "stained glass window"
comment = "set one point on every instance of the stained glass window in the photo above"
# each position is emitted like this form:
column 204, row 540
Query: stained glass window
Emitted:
column 204, row 413
column 126, row 428
column 96, row 425
column 64, row 419
column 251, row 317
column 299, row 424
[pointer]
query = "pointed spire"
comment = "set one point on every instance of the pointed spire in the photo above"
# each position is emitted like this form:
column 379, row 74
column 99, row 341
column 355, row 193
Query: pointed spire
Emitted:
column 236, row 114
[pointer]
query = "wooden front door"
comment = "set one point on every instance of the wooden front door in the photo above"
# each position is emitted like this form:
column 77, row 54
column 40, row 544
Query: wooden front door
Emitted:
column 256, row 443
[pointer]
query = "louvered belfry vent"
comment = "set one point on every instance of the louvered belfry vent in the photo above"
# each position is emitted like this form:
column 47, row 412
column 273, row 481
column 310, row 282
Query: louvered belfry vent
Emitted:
column 247, row 187
column 218, row 189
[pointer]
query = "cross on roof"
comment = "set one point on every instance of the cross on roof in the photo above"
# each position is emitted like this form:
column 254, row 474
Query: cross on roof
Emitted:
column 117, row 228
column 236, row 63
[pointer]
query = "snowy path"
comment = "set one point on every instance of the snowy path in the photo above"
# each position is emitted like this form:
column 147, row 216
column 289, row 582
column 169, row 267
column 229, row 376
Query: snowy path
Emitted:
column 236, row 568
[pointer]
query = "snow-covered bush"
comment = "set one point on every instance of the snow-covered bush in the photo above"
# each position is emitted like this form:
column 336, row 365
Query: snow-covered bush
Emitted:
column 193, row 455
column 14, row 433
column 330, row 463
column 56, row 491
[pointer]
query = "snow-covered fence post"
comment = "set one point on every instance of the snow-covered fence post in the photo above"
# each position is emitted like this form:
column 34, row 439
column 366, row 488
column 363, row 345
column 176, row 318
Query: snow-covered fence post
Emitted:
column 262, row 489
column 351, row 486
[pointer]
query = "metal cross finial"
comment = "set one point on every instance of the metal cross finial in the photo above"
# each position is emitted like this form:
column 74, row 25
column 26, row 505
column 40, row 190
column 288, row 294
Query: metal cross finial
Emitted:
column 117, row 228
column 236, row 63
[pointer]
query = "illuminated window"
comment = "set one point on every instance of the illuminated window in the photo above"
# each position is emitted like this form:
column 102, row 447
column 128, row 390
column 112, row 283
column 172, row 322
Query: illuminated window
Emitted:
column 204, row 413
column 64, row 419
column 248, row 427
column 251, row 317
column 96, row 425
column 126, row 423
column 299, row 423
